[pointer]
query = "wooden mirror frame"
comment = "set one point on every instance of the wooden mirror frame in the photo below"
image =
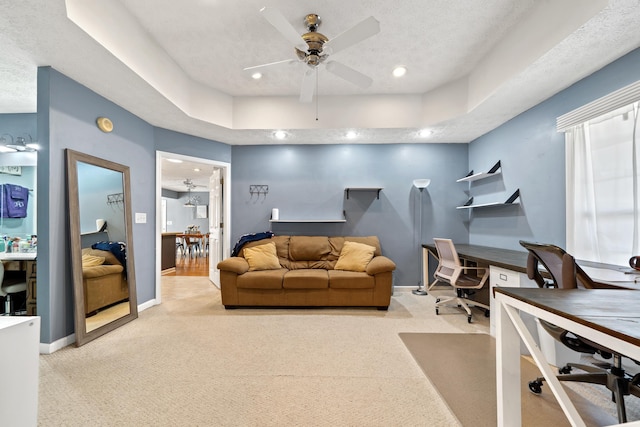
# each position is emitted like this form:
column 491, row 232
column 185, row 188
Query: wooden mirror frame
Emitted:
column 72, row 158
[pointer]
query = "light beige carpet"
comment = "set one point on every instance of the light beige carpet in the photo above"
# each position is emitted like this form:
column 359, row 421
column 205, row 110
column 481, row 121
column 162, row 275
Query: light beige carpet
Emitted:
column 190, row 362
column 462, row 368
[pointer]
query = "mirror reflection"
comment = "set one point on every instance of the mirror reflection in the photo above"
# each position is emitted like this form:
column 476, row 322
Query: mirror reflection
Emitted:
column 101, row 250
column 18, row 234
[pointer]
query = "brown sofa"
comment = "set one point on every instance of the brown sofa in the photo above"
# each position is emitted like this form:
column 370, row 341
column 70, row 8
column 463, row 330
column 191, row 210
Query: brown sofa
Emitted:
column 306, row 276
column 104, row 284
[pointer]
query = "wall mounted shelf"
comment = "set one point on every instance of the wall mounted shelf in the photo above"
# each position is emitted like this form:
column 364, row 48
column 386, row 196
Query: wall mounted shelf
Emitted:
column 344, row 219
column 376, row 189
column 495, row 170
column 514, row 199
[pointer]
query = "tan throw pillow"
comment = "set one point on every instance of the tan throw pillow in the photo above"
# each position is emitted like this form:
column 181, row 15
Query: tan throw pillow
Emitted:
column 92, row 261
column 262, row 257
column 354, row 256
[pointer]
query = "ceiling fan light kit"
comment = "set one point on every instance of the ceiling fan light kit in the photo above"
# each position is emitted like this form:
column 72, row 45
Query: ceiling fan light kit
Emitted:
column 313, row 49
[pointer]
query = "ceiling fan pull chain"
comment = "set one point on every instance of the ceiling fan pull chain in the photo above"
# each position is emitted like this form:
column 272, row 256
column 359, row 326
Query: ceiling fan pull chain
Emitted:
column 317, row 94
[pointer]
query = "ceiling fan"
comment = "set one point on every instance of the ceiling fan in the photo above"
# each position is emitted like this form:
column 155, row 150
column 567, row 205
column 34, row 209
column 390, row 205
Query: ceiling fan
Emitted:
column 191, row 185
column 313, row 48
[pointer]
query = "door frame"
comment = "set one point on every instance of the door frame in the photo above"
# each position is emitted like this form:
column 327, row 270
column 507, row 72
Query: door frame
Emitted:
column 225, row 169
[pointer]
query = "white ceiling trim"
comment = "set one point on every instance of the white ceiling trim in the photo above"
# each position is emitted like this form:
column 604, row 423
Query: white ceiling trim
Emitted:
column 549, row 22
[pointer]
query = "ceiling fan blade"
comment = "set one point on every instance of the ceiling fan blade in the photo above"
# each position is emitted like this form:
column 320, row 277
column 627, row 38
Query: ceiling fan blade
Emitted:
column 365, row 29
column 270, row 64
column 285, row 28
column 349, row 74
column 308, row 85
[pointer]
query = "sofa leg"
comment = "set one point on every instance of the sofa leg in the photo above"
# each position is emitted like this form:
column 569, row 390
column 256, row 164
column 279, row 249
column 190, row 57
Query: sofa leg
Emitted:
column 383, row 308
column 230, row 307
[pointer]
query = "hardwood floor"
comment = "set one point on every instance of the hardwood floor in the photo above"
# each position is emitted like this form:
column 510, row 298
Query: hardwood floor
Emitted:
column 189, row 266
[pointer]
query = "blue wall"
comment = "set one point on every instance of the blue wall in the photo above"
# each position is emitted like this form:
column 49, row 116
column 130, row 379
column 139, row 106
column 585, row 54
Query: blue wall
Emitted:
column 67, row 112
column 181, row 217
column 66, row 117
column 308, row 182
column 16, row 125
column 532, row 155
column 95, row 184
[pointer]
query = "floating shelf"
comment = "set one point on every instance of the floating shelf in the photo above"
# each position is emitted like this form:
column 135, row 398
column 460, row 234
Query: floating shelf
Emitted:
column 376, row 189
column 495, row 170
column 514, row 199
column 344, row 219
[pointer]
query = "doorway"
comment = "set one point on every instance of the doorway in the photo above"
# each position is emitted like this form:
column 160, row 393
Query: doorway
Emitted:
column 206, row 184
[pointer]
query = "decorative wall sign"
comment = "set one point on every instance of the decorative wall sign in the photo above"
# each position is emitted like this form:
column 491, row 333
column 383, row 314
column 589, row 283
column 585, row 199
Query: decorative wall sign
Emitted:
column 11, row 170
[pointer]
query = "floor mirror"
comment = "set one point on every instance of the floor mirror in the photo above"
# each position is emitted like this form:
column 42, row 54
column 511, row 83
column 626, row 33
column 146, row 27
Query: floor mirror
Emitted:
column 100, row 232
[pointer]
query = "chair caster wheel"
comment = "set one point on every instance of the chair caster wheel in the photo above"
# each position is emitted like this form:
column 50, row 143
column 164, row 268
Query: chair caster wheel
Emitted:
column 487, row 313
column 469, row 319
column 437, row 300
column 535, row 386
column 565, row 370
column 437, row 311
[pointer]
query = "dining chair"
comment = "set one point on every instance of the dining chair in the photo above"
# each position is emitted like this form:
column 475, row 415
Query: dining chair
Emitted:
column 192, row 243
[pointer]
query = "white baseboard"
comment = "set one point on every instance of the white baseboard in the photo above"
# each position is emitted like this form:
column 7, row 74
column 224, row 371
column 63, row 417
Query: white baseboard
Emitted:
column 46, row 348
column 147, row 304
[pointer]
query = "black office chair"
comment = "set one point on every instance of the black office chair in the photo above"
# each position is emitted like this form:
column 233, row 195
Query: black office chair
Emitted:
column 565, row 273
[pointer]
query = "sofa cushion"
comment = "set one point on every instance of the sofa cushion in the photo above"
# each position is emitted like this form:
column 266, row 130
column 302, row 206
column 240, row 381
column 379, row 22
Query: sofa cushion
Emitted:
column 262, row 257
column 266, row 279
column 308, row 248
column 109, row 257
column 306, row 279
column 91, row 260
column 339, row 279
column 354, row 256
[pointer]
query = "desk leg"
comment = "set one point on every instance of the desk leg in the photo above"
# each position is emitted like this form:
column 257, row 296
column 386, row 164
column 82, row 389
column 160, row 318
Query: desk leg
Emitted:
column 425, row 270
column 507, row 369
column 509, row 328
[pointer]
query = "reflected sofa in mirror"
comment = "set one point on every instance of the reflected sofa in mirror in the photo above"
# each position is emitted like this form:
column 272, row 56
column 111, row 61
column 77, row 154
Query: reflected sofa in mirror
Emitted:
column 102, row 263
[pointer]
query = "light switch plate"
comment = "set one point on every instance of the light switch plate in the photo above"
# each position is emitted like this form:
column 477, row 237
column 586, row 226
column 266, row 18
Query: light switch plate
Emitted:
column 141, row 218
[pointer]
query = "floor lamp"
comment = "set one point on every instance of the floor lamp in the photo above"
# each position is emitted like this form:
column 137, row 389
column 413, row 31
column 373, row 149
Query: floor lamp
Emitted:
column 421, row 184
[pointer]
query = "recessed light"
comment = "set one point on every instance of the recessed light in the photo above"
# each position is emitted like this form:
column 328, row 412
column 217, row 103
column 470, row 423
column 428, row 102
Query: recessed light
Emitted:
column 352, row 134
column 425, row 132
column 196, row 169
column 174, row 160
column 256, row 76
column 399, row 71
column 280, row 134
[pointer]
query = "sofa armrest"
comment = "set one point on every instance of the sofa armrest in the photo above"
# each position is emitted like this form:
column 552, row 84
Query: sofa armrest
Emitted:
column 234, row 264
column 380, row 264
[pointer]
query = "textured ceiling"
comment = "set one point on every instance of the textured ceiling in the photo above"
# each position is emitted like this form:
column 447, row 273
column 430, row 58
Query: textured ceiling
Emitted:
column 179, row 65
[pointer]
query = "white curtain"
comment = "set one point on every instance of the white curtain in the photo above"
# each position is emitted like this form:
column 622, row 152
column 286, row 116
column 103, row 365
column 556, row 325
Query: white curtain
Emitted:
column 602, row 188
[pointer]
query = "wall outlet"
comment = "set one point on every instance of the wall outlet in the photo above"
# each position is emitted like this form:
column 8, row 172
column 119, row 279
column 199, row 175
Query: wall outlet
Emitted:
column 141, row 218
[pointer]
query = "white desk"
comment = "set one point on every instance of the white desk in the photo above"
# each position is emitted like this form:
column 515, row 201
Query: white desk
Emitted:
column 609, row 317
column 19, row 368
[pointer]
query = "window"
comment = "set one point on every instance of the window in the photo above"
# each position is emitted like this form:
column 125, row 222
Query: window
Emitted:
column 602, row 187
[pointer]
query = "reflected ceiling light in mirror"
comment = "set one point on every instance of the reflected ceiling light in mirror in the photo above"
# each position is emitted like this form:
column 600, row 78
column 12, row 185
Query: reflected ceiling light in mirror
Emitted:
column 5, row 144
column 423, row 133
column 352, row 134
column 280, row 134
column 399, row 71
column 174, row 160
column 256, row 76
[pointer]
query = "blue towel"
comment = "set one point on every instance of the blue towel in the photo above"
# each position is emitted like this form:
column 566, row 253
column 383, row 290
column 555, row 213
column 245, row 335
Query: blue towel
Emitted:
column 250, row 238
column 118, row 249
column 15, row 200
